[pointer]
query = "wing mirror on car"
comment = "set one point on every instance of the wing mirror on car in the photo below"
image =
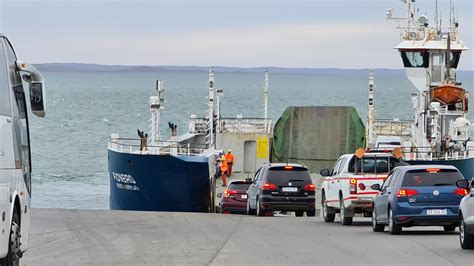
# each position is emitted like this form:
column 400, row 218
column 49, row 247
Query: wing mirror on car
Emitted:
column 248, row 180
column 219, row 195
column 375, row 187
column 325, row 172
column 463, row 183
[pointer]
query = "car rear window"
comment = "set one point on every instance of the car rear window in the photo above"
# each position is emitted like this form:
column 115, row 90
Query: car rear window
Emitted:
column 239, row 186
column 431, row 177
column 282, row 175
column 374, row 164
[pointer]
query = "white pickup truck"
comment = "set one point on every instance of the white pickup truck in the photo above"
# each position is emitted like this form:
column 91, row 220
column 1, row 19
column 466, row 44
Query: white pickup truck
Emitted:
column 346, row 188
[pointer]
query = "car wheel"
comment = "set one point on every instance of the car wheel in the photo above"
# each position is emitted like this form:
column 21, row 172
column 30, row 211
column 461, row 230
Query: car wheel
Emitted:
column 311, row 213
column 449, row 228
column 299, row 213
column 376, row 227
column 260, row 211
column 250, row 211
column 14, row 253
column 466, row 240
column 344, row 219
column 393, row 228
column 328, row 218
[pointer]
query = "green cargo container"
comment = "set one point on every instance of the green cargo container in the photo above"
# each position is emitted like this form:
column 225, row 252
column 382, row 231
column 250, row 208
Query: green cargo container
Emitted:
column 317, row 135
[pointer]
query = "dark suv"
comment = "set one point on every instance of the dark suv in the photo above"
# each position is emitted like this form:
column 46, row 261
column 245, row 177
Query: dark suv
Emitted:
column 281, row 187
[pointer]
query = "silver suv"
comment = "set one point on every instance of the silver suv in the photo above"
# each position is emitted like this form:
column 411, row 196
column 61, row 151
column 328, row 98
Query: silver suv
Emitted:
column 466, row 215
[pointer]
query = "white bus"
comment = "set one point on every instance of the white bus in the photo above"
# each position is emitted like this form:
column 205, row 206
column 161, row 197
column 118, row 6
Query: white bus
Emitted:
column 15, row 154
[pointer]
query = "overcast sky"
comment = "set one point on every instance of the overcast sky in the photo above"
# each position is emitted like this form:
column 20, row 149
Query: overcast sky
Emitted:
column 318, row 33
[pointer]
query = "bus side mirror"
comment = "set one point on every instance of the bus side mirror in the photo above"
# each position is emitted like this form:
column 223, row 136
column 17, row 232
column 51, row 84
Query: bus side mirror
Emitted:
column 36, row 81
column 37, row 99
column 325, row 172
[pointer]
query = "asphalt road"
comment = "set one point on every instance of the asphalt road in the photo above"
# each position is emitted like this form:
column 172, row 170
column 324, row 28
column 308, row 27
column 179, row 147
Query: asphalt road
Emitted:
column 132, row 238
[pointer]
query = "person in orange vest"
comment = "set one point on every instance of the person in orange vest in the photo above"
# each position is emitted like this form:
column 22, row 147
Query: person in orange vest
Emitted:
column 224, row 168
column 230, row 161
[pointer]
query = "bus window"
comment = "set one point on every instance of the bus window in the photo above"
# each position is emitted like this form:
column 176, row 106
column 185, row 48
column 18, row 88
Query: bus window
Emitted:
column 5, row 105
column 21, row 139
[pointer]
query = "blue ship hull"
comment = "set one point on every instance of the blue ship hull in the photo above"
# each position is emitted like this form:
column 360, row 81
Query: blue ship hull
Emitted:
column 466, row 166
column 159, row 182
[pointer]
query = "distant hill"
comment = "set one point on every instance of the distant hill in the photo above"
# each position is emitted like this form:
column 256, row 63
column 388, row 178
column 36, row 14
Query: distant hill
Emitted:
column 77, row 67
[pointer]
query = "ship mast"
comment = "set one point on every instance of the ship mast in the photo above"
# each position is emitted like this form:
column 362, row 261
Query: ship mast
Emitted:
column 265, row 98
column 156, row 107
column 371, row 112
column 210, row 104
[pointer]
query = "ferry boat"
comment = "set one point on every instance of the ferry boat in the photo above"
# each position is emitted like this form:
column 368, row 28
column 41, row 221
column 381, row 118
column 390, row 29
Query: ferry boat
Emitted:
column 178, row 174
column 440, row 131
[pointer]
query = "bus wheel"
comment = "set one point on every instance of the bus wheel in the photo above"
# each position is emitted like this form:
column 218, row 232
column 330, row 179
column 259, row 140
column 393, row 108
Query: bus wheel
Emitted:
column 14, row 252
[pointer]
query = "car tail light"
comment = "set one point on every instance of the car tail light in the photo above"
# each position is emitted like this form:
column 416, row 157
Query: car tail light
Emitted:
column 461, row 191
column 310, row 187
column 269, row 186
column 288, row 167
column 361, row 186
column 228, row 192
column 353, row 186
column 406, row 192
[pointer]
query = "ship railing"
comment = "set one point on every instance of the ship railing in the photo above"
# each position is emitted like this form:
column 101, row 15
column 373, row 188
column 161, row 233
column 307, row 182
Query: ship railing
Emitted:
column 245, row 125
column 198, row 125
column 162, row 147
column 427, row 153
column 387, row 127
column 432, row 33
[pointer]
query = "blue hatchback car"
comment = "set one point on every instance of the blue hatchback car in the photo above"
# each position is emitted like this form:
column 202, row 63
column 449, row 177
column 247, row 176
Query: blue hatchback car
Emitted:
column 424, row 195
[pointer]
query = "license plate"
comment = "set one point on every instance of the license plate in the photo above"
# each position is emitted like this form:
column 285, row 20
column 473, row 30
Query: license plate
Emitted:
column 244, row 196
column 290, row 189
column 437, row 212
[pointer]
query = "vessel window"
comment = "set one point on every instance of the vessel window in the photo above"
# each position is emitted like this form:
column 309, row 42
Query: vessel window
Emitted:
column 415, row 59
column 5, row 106
column 454, row 59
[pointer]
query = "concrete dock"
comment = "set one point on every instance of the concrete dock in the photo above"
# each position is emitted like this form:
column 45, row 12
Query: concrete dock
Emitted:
column 74, row 237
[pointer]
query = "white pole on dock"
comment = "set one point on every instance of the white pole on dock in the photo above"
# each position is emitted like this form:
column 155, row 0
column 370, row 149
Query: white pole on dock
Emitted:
column 265, row 98
column 210, row 102
column 371, row 112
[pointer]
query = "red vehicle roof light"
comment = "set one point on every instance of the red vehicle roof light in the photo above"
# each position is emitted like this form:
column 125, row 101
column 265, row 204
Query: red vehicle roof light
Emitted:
column 288, row 167
column 433, row 170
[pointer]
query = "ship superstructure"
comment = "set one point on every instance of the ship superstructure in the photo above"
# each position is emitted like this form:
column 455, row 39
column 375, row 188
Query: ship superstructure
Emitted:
column 430, row 52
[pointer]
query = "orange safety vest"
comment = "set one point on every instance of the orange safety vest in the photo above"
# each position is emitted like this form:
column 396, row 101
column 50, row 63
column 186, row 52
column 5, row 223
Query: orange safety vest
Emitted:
column 224, row 166
column 229, row 158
